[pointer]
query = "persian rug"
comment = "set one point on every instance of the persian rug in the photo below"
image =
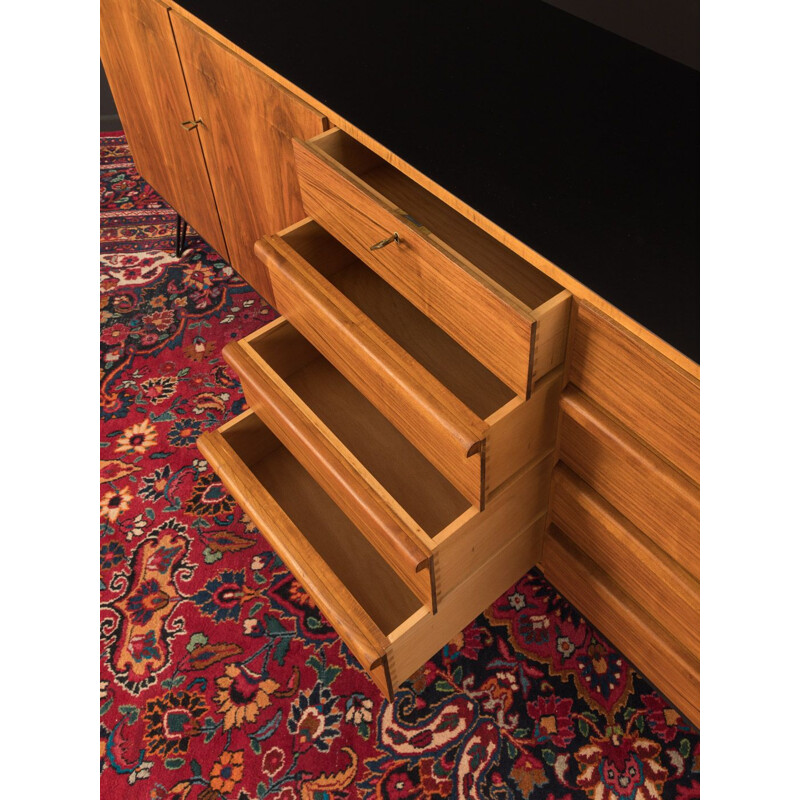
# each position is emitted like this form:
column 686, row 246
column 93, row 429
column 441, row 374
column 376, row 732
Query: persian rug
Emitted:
column 221, row 679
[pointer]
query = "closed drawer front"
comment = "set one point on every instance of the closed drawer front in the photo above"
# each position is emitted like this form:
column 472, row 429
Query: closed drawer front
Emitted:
column 658, row 499
column 507, row 314
column 388, row 629
column 647, row 574
column 654, row 651
column 656, row 400
column 422, row 526
column 465, row 421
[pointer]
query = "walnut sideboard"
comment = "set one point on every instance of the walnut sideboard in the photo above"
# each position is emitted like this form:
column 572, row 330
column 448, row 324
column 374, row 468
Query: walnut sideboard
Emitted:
column 440, row 402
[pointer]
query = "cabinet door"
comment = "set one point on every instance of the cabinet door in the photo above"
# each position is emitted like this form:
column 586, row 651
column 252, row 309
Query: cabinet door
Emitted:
column 248, row 125
column 146, row 79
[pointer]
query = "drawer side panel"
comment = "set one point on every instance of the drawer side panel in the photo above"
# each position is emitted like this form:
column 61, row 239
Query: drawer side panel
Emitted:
column 411, row 645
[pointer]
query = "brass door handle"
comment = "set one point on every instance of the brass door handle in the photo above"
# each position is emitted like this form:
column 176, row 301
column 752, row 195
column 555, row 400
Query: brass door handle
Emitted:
column 395, row 237
column 191, row 124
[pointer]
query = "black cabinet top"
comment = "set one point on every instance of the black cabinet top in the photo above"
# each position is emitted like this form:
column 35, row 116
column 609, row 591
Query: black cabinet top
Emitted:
column 581, row 144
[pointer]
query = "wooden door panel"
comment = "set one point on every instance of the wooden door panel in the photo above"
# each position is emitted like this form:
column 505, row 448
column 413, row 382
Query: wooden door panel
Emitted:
column 146, row 79
column 248, row 125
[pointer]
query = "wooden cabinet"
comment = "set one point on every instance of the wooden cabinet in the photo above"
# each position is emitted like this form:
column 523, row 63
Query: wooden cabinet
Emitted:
column 146, row 79
column 410, row 414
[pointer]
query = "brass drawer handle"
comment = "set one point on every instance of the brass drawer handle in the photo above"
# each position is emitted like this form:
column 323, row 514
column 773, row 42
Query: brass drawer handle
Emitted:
column 191, row 124
column 395, row 237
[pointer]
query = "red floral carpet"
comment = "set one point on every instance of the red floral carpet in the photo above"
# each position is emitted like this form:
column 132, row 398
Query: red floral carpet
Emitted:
column 221, row 680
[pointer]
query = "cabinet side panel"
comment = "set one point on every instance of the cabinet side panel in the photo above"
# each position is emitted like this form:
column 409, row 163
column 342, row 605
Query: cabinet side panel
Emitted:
column 144, row 72
column 248, row 125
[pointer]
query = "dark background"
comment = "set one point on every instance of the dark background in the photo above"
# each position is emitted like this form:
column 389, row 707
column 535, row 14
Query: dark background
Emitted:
column 109, row 119
column 669, row 27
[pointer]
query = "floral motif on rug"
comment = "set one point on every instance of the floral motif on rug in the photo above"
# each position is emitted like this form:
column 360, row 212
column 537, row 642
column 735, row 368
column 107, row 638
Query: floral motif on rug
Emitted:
column 219, row 676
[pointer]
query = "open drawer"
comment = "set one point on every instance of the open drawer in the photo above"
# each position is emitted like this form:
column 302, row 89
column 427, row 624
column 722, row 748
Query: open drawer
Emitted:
column 499, row 307
column 421, row 525
column 465, row 420
column 385, row 626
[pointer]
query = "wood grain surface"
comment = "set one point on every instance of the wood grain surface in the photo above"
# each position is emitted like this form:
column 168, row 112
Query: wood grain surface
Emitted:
column 652, row 649
column 248, row 124
column 397, row 537
column 647, row 574
column 474, row 538
column 476, row 311
column 648, row 491
column 449, row 434
column 522, row 431
column 654, row 399
column 400, row 468
column 146, row 79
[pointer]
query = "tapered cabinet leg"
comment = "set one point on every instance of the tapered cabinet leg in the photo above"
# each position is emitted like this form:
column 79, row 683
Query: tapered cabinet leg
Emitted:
column 180, row 236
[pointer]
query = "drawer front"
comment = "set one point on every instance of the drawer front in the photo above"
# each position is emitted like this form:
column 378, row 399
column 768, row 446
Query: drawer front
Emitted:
column 658, row 499
column 522, row 432
column 656, row 400
column 448, row 433
column 647, row 574
column 430, row 535
column 479, row 313
column 390, row 529
column 654, row 651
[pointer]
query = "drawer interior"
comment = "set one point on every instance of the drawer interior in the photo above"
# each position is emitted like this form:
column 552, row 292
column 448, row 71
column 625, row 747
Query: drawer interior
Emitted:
column 382, row 595
column 511, row 271
column 397, row 465
column 456, row 369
